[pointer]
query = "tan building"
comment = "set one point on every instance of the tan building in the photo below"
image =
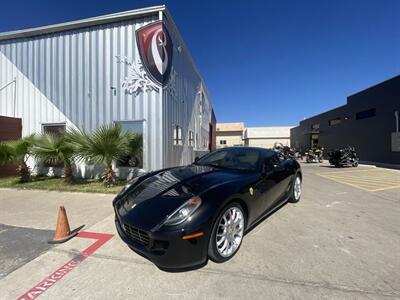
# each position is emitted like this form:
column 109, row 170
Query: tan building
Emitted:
column 230, row 134
column 266, row 137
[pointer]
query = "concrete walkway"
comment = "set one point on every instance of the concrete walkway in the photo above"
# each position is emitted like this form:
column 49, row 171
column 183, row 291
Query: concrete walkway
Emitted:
column 338, row 242
column 38, row 209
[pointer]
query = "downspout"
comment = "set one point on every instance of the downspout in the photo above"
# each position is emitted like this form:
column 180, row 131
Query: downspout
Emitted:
column 15, row 92
column 396, row 115
column 15, row 97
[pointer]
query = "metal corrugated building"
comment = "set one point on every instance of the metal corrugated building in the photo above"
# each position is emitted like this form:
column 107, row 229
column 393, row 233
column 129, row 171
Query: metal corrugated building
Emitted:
column 369, row 121
column 90, row 72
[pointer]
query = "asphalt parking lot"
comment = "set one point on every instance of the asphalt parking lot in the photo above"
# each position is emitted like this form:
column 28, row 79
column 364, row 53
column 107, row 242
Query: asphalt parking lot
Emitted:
column 341, row 241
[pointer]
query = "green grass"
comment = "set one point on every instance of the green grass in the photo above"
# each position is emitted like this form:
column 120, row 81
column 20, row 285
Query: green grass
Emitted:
column 58, row 184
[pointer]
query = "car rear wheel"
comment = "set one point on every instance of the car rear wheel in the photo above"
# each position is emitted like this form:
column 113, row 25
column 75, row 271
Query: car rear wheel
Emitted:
column 227, row 233
column 296, row 190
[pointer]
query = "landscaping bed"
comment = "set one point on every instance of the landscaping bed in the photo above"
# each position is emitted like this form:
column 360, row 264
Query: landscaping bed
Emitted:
column 58, row 184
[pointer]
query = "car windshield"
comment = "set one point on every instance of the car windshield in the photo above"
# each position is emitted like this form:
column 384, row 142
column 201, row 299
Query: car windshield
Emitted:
column 232, row 158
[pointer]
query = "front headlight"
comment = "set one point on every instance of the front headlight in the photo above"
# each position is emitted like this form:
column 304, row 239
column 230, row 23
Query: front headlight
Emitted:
column 183, row 212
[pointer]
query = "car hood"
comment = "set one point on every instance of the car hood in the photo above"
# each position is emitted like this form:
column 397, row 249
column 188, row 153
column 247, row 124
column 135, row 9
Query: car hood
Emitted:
column 149, row 202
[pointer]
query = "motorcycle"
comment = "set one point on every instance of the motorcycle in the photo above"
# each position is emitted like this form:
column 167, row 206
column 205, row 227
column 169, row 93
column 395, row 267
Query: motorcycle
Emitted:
column 343, row 157
column 284, row 151
column 298, row 154
column 314, row 155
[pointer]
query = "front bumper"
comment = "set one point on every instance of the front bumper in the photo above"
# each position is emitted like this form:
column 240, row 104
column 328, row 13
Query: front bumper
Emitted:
column 167, row 250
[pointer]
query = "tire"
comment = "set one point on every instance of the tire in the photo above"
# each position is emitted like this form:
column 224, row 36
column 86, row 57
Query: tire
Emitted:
column 216, row 253
column 295, row 195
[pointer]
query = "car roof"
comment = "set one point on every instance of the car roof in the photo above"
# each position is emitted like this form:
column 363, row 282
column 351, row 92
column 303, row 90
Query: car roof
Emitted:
column 265, row 150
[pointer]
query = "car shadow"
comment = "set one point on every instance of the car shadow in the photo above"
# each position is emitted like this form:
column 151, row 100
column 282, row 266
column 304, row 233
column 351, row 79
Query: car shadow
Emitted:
column 333, row 167
column 269, row 214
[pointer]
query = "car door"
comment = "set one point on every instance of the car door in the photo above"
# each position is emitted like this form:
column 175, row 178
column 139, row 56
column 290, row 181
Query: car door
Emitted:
column 265, row 187
column 281, row 176
column 272, row 184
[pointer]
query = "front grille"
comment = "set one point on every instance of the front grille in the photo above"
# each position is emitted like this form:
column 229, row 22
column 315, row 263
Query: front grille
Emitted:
column 136, row 234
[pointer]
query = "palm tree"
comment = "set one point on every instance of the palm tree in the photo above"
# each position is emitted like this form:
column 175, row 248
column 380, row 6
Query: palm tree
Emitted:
column 135, row 144
column 18, row 151
column 55, row 149
column 106, row 144
column 5, row 153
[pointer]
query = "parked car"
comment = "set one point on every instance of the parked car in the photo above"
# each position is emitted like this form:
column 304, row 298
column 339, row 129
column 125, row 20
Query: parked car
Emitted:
column 343, row 157
column 179, row 217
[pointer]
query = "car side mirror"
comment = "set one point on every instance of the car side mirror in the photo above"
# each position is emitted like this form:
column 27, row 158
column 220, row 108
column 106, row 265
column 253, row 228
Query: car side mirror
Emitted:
column 196, row 159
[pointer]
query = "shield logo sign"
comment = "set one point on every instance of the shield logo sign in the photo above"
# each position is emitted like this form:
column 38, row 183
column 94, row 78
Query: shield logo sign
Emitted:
column 155, row 48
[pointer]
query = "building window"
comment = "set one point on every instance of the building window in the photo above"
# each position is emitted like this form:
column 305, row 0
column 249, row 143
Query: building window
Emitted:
column 222, row 142
column 134, row 159
column 335, row 121
column 54, row 128
column 177, row 135
column 191, row 138
column 315, row 126
column 314, row 139
column 369, row 113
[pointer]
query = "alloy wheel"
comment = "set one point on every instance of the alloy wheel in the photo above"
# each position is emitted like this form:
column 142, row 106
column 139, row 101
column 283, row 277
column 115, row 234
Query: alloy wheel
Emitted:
column 230, row 231
column 297, row 188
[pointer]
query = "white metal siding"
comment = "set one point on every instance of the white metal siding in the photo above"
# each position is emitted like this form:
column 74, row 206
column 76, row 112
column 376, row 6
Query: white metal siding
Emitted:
column 68, row 77
column 183, row 108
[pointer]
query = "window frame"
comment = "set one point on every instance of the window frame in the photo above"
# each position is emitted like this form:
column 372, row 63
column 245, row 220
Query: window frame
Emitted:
column 46, row 125
column 335, row 121
column 315, row 126
column 191, row 138
column 177, row 135
column 58, row 132
column 366, row 114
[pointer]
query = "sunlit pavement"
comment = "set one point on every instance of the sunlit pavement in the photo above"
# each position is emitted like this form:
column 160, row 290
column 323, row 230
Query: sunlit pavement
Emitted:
column 340, row 241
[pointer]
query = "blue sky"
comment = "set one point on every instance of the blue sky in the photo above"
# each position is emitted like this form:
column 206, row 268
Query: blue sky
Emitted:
column 264, row 62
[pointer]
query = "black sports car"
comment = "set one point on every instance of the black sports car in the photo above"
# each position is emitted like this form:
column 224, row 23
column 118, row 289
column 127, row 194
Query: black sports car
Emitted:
column 180, row 217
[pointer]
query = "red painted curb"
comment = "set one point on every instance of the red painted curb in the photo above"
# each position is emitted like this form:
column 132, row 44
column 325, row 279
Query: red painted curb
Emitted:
column 50, row 280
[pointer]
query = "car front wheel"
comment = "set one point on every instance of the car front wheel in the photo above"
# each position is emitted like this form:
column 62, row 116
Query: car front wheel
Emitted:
column 227, row 233
column 296, row 190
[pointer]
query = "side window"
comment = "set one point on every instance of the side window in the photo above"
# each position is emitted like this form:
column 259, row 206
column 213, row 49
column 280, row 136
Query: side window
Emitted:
column 270, row 161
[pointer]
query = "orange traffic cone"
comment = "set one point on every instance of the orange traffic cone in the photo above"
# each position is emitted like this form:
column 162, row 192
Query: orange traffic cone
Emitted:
column 63, row 233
